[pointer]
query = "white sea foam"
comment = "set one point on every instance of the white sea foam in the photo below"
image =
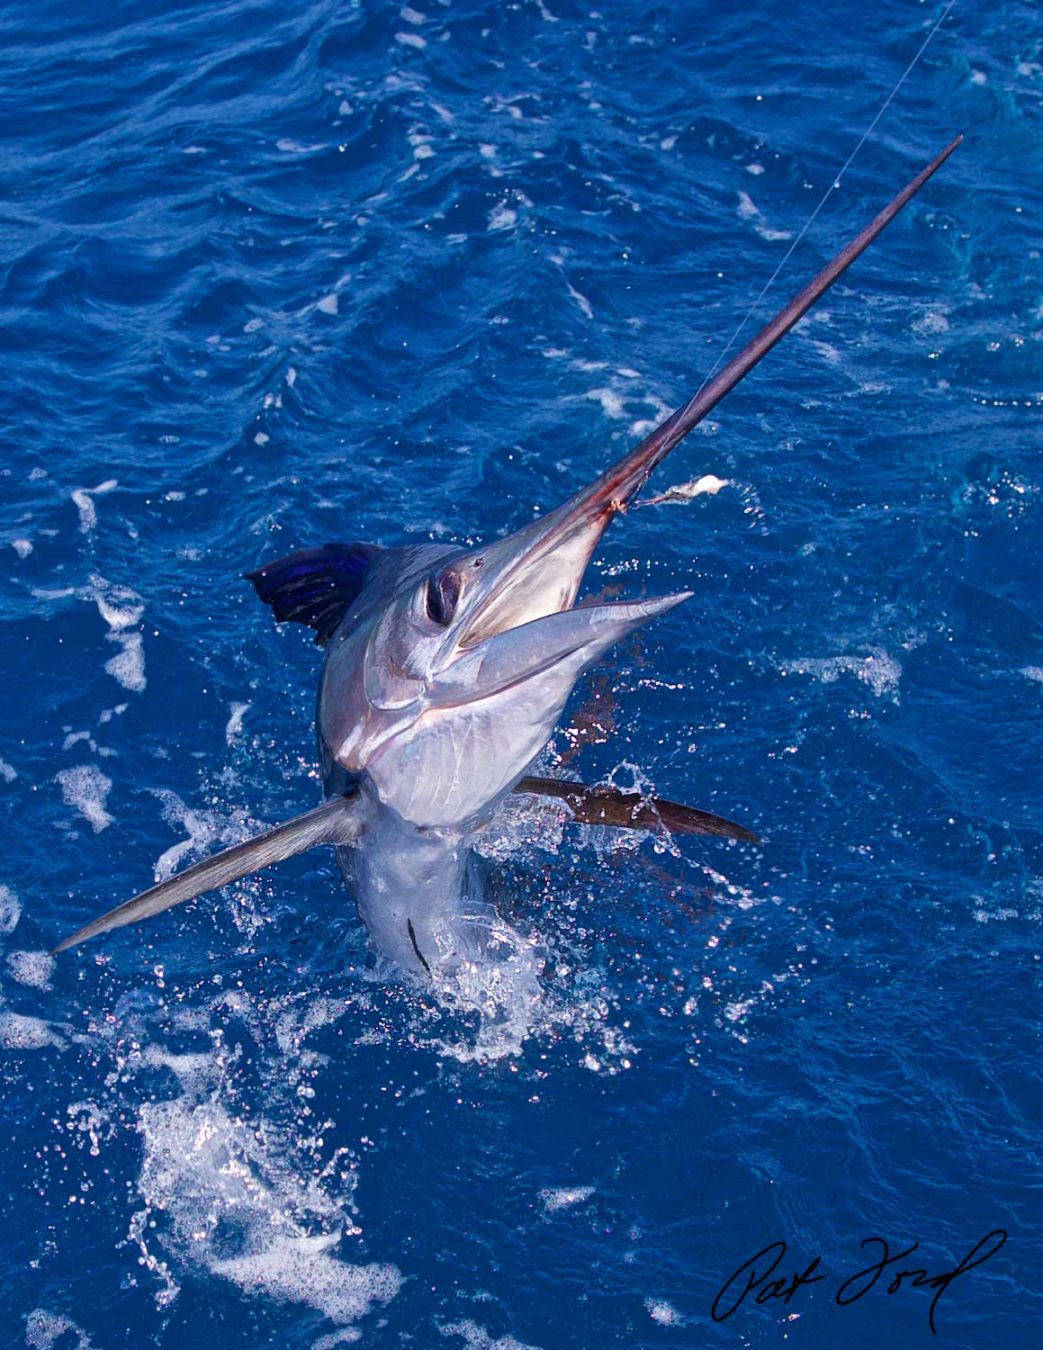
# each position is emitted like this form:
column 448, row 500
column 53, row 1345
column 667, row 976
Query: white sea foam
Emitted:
column 748, row 210
column 18, row 1032
column 32, row 968
column 513, row 1002
column 932, row 321
column 10, row 910
column 1000, row 915
column 520, row 822
column 346, row 1336
column 644, row 425
column 502, row 217
column 208, row 831
column 122, row 609
column 879, row 670
column 581, row 300
column 7, row 772
column 209, row 1179
column 772, row 236
column 662, row 1312
column 611, row 402
column 202, row 833
column 291, row 147
column 302, row 1270
column 475, row 1337
column 43, row 1331
column 52, row 592
column 514, row 1006
column 235, row 721
column 23, row 547
column 829, row 353
column 127, row 667
column 564, row 1197
column 84, row 500
column 503, row 987
column 87, row 789
column 119, row 606
column 92, row 1123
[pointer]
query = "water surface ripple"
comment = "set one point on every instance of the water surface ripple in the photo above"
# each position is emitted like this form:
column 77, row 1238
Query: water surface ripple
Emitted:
column 273, row 275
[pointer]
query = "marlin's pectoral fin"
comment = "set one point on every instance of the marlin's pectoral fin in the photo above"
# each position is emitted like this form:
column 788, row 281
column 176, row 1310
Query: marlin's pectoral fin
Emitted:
column 633, row 810
column 335, row 822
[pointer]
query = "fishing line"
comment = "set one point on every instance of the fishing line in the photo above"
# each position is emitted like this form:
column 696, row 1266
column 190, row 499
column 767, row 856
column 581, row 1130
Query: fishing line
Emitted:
column 825, row 196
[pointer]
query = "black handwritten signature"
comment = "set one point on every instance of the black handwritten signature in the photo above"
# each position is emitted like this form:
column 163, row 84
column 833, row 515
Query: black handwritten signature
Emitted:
column 758, row 1276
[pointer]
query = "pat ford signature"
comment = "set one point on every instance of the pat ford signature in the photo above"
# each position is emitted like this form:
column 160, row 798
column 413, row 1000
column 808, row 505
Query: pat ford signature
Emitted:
column 763, row 1278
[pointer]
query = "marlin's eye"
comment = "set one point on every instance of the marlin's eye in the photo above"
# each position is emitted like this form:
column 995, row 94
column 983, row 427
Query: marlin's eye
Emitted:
column 443, row 591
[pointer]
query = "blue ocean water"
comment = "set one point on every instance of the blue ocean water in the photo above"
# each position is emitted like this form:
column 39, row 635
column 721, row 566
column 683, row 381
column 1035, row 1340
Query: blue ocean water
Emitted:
column 277, row 274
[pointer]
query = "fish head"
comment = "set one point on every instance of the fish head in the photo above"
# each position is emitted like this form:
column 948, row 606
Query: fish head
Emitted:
column 453, row 684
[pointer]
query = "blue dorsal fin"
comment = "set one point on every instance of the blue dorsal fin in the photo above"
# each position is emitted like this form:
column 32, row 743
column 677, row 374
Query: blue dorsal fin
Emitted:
column 316, row 586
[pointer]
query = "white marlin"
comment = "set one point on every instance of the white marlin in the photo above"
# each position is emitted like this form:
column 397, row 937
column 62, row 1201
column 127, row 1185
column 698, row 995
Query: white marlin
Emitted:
column 445, row 674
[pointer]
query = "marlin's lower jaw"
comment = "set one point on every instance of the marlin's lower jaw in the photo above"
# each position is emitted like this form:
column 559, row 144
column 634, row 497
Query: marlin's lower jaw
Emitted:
column 450, row 759
column 555, row 648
